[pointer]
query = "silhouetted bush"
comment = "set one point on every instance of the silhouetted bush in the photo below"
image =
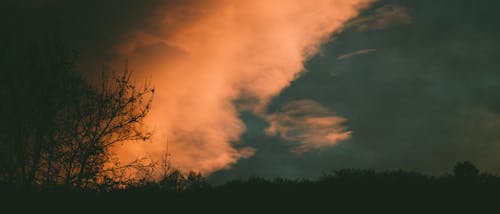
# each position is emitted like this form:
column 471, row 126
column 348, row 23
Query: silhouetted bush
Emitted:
column 466, row 171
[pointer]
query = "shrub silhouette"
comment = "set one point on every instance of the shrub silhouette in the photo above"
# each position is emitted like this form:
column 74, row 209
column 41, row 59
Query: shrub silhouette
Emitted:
column 466, row 171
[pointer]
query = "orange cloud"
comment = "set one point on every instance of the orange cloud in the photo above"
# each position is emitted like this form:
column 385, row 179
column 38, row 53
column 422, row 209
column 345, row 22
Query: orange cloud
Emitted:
column 309, row 124
column 203, row 55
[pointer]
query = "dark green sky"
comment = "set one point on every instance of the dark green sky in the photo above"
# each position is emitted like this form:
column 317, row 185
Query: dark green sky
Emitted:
column 426, row 97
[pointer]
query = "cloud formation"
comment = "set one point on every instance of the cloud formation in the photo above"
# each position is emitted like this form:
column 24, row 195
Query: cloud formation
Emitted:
column 382, row 17
column 204, row 56
column 244, row 50
column 358, row 52
column 309, row 124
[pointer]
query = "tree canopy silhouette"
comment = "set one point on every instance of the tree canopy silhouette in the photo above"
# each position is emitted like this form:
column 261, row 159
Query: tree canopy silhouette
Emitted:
column 465, row 171
column 58, row 127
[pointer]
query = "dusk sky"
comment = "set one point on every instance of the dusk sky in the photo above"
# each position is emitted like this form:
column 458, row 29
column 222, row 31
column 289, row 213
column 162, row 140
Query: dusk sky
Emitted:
column 293, row 88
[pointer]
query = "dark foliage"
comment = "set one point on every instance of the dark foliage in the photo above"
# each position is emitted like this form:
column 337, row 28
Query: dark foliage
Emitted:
column 351, row 189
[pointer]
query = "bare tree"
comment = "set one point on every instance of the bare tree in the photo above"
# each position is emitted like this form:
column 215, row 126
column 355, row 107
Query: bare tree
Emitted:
column 102, row 118
column 58, row 128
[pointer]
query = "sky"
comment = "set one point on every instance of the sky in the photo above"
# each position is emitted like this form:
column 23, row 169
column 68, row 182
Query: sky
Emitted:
column 294, row 88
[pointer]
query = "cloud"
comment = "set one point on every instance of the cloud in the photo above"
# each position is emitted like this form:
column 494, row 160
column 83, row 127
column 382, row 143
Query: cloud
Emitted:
column 382, row 17
column 245, row 51
column 309, row 124
column 158, row 50
column 358, row 52
column 209, row 59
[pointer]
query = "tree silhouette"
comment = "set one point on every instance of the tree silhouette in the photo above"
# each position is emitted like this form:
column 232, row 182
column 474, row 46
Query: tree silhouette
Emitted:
column 57, row 127
column 465, row 171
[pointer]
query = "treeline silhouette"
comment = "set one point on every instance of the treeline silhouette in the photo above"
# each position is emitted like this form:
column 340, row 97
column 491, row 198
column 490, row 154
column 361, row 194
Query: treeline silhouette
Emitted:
column 465, row 189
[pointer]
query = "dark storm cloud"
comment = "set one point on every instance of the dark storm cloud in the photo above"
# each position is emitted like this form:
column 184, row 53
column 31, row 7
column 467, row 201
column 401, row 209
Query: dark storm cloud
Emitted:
column 428, row 96
column 94, row 28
